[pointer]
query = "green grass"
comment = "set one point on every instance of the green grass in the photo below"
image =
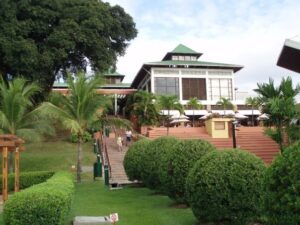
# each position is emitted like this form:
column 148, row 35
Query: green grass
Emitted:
column 135, row 206
column 54, row 156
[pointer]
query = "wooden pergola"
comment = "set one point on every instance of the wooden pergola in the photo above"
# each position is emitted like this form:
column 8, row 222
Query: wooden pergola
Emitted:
column 10, row 143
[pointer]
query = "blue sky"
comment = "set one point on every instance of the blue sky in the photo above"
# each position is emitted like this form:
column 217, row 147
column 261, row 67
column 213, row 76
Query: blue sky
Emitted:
column 245, row 32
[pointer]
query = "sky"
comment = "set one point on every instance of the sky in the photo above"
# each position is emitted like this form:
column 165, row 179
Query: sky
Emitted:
column 250, row 33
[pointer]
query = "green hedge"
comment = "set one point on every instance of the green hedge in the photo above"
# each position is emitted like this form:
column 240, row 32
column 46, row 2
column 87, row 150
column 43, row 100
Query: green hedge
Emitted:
column 226, row 187
column 154, row 154
column 177, row 163
column 27, row 179
column 134, row 158
column 44, row 204
column 282, row 186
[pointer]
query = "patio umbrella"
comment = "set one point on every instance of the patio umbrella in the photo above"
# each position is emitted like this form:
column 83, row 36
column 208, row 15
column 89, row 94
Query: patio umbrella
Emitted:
column 240, row 116
column 263, row 117
column 179, row 120
column 205, row 116
column 179, row 117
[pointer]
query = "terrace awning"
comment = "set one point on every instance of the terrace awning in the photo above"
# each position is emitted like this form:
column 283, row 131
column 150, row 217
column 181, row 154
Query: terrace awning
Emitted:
column 289, row 57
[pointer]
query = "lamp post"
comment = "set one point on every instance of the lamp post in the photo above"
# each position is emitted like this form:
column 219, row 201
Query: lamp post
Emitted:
column 234, row 123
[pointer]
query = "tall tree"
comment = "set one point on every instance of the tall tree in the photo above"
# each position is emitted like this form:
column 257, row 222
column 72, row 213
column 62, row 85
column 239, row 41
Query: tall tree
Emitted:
column 169, row 102
column 79, row 110
column 194, row 104
column 254, row 102
column 144, row 107
column 40, row 39
column 225, row 103
column 280, row 105
column 17, row 114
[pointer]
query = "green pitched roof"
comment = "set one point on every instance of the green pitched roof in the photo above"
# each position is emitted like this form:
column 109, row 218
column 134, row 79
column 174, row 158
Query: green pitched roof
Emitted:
column 183, row 49
column 113, row 74
column 195, row 63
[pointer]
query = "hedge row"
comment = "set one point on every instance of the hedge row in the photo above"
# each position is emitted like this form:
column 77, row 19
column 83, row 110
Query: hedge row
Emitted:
column 27, row 179
column 44, row 204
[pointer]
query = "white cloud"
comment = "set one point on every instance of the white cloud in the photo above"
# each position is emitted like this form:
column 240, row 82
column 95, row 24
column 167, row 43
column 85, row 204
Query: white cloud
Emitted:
column 249, row 32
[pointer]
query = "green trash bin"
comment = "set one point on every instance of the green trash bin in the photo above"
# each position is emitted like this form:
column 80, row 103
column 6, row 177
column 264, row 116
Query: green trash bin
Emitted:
column 97, row 169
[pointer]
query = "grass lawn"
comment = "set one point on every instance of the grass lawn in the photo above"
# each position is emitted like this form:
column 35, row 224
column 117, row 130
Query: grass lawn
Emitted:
column 54, row 156
column 135, row 206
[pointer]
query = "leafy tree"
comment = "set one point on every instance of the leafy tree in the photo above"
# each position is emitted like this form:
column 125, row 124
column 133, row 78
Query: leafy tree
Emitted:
column 169, row 102
column 254, row 102
column 225, row 103
column 279, row 103
column 195, row 104
column 79, row 110
column 145, row 108
column 40, row 39
column 17, row 114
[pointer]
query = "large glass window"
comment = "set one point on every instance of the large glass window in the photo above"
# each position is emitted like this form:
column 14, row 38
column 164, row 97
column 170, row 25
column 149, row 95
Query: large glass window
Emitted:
column 219, row 87
column 193, row 87
column 166, row 86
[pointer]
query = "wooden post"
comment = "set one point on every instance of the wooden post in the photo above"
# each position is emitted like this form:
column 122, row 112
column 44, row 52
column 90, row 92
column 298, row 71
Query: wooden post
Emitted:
column 4, row 174
column 17, row 170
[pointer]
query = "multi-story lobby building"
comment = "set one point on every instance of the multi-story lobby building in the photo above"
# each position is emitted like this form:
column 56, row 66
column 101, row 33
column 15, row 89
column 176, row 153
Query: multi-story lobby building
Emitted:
column 181, row 73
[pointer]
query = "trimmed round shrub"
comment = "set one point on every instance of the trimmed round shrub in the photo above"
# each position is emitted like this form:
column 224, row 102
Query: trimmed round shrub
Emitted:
column 134, row 159
column 225, row 187
column 153, row 156
column 282, row 188
column 177, row 163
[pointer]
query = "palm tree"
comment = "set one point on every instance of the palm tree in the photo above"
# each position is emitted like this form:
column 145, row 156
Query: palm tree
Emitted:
column 254, row 102
column 195, row 104
column 279, row 103
column 18, row 115
column 225, row 103
column 144, row 107
column 169, row 102
column 79, row 110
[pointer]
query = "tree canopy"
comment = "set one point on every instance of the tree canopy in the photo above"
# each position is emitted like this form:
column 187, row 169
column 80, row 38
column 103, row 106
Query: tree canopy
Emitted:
column 41, row 38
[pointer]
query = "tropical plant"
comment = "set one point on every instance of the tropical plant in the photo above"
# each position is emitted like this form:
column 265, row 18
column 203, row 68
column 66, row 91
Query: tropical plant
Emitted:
column 194, row 104
column 169, row 102
column 225, row 103
column 144, row 107
column 78, row 110
column 280, row 105
column 18, row 115
column 254, row 102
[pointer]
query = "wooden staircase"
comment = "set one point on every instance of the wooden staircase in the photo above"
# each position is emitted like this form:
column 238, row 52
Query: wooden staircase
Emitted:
column 251, row 139
column 116, row 158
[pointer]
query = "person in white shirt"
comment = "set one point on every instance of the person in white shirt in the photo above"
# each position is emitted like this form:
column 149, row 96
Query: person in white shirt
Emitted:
column 128, row 136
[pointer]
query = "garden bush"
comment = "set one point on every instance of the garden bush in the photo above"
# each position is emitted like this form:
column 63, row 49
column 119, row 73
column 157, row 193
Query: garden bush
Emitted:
column 27, row 179
column 282, row 188
column 176, row 164
column 153, row 156
column 134, row 158
column 225, row 187
column 44, row 204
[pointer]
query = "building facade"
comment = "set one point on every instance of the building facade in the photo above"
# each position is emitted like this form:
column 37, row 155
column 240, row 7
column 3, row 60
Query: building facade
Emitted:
column 180, row 73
